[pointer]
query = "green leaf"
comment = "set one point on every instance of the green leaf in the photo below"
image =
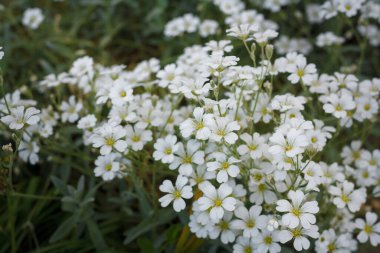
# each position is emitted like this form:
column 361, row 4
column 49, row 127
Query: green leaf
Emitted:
column 96, row 235
column 64, row 229
column 60, row 185
column 157, row 218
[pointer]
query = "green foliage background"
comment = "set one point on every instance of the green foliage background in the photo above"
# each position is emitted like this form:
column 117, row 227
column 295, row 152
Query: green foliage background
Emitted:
column 59, row 206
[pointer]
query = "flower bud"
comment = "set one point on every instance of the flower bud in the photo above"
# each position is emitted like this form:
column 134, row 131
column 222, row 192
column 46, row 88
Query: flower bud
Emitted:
column 269, row 51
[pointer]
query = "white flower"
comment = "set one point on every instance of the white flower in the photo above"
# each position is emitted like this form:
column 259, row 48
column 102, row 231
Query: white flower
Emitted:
column 261, row 193
column 243, row 245
column 299, row 211
column 292, row 143
column 347, row 196
column 121, row 92
column 222, row 130
column 368, row 229
column 107, row 167
column 301, row 71
column 352, row 153
column 216, row 201
column 1, row 53
column 176, row 193
column 198, row 125
column 109, row 137
column 137, row 138
column 218, row 63
column 32, row 18
column 170, row 74
column 249, row 220
column 165, row 149
column 208, row 27
column 28, row 151
column 267, row 241
column 87, row 122
column 243, row 31
column 224, row 166
column 255, row 145
column 70, row 110
column 264, row 37
column 223, row 228
column 339, row 106
column 20, row 117
column 299, row 234
column 184, row 159
column 194, row 88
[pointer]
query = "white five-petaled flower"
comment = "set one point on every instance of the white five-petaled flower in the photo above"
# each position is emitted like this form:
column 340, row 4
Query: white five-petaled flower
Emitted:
column 216, row 200
column 347, row 196
column 369, row 230
column 254, row 145
column 198, row 125
column 291, row 144
column 339, row 106
column 109, row 137
column 137, row 138
column 176, row 193
column 301, row 71
column 222, row 129
column 32, row 18
column 299, row 211
column 184, row 159
column 165, row 149
column 107, row 166
column 224, row 166
column 70, row 110
column 299, row 234
column 20, row 117
column 121, row 92
column 249, row 220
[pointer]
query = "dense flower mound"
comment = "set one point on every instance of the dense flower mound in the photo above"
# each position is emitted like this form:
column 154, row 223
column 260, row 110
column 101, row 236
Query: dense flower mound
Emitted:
column 247, row 143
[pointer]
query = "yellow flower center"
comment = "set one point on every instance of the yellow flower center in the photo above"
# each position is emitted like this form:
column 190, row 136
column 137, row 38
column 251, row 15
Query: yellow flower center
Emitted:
column 313, row 139
column 296, row 232
column 168, row 151
column 177, row 194
column 331, row 247
column 288, row 147
column 252, row 147
column 356, row 155
column 268, row 240
column 300, row 72
column 221, row 132
column 338, row 107
column 224, row 225
column 136, row 138
column 257, row 177
column 368, row 229
column 225, row 165
column 110, row 142
column 108, row 167
column 345, row 198
column 296, row 212
column 187, row 159
column 251, row 223
column 218, row 202
column 261, row 187
column 199, row 125
column 248, row 250
column 123, row 94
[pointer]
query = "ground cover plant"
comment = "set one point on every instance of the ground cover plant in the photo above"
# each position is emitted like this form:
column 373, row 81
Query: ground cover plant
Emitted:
column 190, row 126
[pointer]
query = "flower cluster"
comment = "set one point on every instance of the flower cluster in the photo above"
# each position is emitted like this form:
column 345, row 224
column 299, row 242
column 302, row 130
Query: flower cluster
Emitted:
column 250, row 159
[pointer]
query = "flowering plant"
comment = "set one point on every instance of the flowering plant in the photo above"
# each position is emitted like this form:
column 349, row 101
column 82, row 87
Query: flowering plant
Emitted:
column 251, row 142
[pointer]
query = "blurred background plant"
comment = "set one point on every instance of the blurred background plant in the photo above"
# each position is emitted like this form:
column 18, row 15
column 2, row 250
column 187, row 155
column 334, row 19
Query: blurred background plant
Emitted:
column 50, row 207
